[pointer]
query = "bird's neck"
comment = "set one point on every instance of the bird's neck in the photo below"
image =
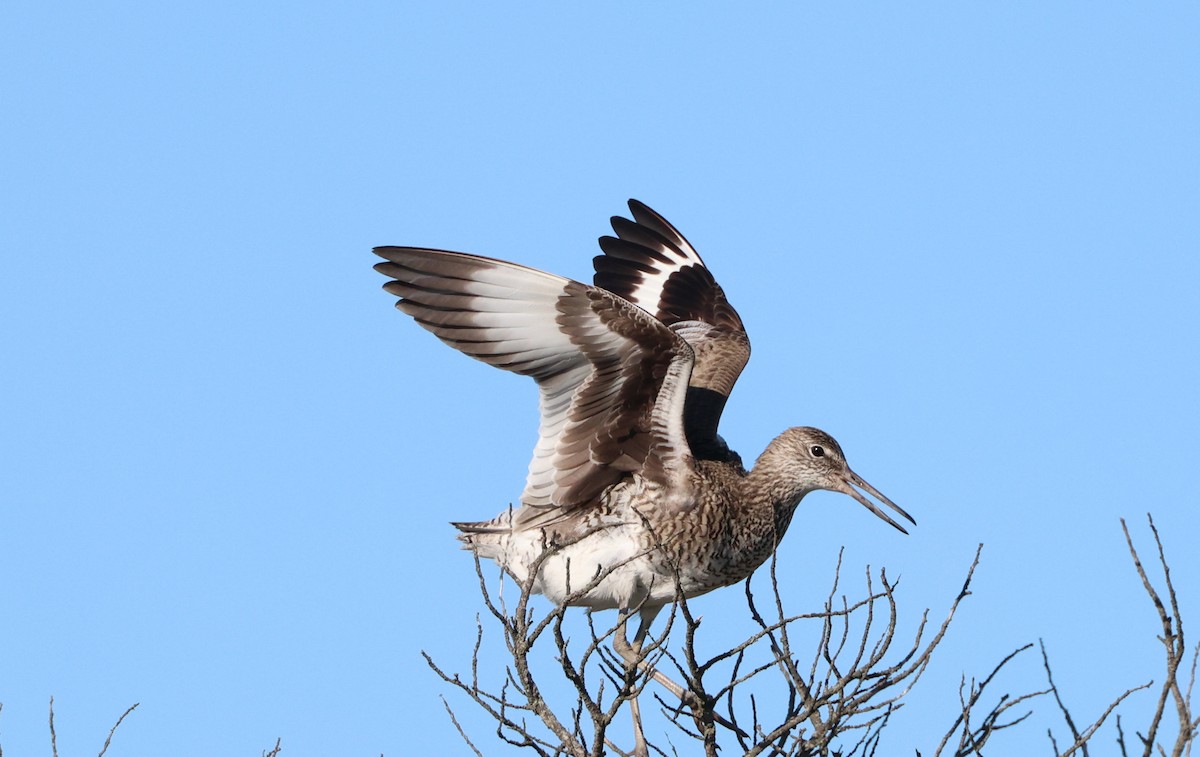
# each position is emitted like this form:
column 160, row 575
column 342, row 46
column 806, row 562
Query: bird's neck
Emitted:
column 772, row 482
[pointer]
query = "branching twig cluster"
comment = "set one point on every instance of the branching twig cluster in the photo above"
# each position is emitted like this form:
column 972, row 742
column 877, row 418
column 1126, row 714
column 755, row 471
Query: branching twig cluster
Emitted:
column 974, row 731
column 835, row 703
column 1152, row 743
column 1176, row 651
column 54, row 733
column 818, row 683
column 1154, row 738
column 108, row 740
column 604, row 683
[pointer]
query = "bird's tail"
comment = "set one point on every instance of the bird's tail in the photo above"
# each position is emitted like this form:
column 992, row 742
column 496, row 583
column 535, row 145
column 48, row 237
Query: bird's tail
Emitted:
column 487, row 538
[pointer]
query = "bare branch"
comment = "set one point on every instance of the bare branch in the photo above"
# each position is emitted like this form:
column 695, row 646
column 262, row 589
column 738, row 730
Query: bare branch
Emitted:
column 972, row 737
column 1175, row 650
column 458, row 727
column 1081, row 740
column 757, row 694
column 53, row 735
column 113, row 730
column 1173, row 644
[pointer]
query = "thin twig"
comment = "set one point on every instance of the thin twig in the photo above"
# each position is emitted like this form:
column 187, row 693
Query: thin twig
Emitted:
column 459, row 728
column 53, row 735
column 113, row 730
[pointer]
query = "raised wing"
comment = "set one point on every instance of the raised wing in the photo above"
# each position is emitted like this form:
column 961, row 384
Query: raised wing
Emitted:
column 611, row 378
column 652, row 265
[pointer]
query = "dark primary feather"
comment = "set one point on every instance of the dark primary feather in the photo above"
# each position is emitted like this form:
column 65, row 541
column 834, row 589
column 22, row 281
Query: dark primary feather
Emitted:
column 652, row 265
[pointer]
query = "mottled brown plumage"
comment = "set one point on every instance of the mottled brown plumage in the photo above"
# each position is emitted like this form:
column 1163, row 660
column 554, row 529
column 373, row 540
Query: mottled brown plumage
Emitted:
column 633, row 375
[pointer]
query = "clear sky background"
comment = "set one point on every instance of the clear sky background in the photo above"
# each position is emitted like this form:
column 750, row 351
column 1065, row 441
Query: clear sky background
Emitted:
column 964, row 239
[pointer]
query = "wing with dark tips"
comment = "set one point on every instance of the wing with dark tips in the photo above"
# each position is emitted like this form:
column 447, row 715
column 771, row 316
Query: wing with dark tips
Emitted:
column 652, row 265
column 612, row 380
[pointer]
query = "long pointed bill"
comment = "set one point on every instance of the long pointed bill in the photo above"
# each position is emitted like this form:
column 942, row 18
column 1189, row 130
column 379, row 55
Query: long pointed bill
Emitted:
column 853, row 479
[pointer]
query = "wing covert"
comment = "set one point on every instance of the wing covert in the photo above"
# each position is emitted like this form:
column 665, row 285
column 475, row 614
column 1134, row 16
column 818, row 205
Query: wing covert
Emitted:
column 611, row 378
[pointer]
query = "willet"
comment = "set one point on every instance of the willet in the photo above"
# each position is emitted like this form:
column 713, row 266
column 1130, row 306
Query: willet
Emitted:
column 629, row 479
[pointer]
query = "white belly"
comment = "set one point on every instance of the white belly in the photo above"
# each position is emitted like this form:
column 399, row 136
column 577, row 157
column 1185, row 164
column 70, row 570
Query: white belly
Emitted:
column 609, row 568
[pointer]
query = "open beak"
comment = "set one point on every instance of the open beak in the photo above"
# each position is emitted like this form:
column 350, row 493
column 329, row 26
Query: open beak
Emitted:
column 852, row 480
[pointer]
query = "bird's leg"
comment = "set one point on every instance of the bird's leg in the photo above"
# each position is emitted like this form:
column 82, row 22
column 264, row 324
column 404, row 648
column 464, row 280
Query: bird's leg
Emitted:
column 632, row 655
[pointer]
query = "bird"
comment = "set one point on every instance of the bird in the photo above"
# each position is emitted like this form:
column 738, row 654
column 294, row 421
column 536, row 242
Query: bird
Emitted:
column 632, row 497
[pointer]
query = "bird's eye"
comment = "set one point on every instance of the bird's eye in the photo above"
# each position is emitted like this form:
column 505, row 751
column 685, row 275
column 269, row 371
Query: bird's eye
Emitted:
column 817, row 450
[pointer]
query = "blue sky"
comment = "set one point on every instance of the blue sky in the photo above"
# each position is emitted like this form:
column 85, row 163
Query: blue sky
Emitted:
column 963, row 237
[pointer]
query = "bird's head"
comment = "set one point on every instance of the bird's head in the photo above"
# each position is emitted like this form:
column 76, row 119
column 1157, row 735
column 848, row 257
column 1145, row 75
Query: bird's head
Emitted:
column 817, row 461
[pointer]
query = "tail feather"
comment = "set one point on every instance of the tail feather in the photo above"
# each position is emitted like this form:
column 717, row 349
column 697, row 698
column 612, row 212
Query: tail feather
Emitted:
column 480, row 527
column 487, row 538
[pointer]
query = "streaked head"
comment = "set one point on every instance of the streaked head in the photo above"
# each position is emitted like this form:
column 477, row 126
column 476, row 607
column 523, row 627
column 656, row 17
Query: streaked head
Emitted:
column 822, row 465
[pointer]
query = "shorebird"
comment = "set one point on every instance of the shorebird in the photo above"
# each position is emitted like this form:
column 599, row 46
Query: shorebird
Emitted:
column 631, row 489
